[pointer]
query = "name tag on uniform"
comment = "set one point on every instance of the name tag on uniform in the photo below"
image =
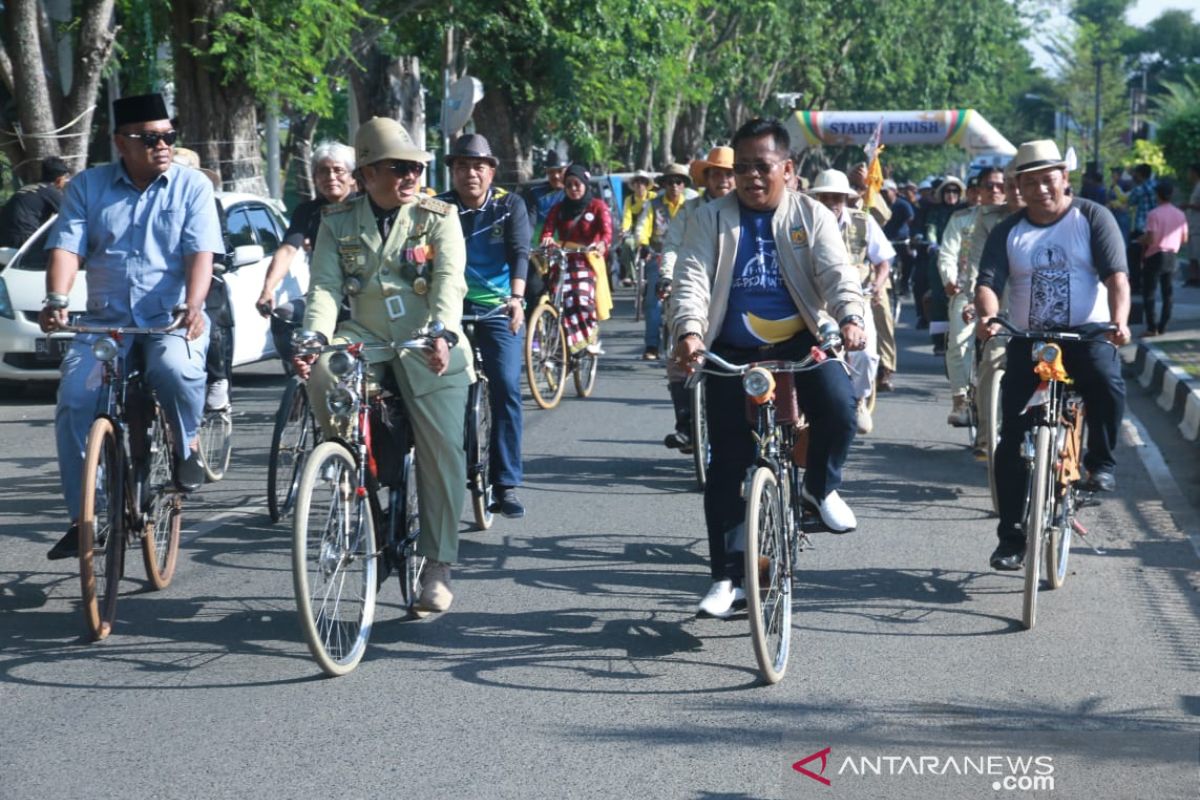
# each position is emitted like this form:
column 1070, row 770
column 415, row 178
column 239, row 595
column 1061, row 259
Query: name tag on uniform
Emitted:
column 395, row 306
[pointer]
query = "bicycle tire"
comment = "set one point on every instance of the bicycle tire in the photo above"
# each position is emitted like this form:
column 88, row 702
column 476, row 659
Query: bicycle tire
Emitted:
column 584, row 373
column 545, row 356
column 768, row 589
column 480, row 454
column 101, row 534
column 700, row 450
column 871, row 398
column 1036, row 515
column 1058, row 544
column 163, row 507
column 639, row 289
column 412, row 564
column 333, row 558
column 991, row 396
column 216, row 443
column 291, row 439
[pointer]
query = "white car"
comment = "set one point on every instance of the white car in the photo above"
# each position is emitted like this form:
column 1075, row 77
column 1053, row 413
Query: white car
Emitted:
column 255, row 229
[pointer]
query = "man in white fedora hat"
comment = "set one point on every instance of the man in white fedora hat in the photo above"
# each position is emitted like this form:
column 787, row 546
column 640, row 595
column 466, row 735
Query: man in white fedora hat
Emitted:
column 871, row 254
column 1063, row 262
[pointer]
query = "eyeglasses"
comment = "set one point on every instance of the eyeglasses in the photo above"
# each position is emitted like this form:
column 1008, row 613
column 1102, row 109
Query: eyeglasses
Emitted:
column 674, row 182
column 992, row 187
column 151, row 140
column 336, row 172
column 402, row 169
column 755, row 167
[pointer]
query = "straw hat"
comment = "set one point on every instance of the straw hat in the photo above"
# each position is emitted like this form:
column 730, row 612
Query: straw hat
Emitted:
column 1038, row 154
column 832, row 181
column 720, row 157
column 675, row 171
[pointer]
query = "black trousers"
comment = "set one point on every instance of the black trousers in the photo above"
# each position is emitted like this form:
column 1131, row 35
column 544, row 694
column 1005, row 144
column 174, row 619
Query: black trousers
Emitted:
column 1158, row 271
column 1096, row 370
column 827, row 400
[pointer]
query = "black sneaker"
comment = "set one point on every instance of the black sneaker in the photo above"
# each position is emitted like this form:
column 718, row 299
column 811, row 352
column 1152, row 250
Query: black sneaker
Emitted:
column 1009, row 555
column 506, row 503
column 189, row 476
column 678, row 440
column 1101, row 480
column 67, row 546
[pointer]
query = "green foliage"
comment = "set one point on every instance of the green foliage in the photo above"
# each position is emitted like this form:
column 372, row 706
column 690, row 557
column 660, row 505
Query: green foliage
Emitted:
column 1179, row 125
column 1147, row 152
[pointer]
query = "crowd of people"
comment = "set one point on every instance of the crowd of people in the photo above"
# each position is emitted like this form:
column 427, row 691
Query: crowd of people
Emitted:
column 745, row 258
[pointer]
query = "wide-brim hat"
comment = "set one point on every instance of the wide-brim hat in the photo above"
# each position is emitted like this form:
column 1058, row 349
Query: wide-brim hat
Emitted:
column 719, row 157
column 139, row 108
column 1037, row 154
column 832, row 181
column 947, row 182
column 186, row 157
column 473, row 145
column 554, row 160
column 888, row 183
column 381, row 138
column 675, row 171
column 643, row 175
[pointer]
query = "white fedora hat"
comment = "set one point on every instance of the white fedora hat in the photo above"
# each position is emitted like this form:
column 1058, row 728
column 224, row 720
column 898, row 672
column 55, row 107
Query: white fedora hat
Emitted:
column 1038, row 154
column 832, row 181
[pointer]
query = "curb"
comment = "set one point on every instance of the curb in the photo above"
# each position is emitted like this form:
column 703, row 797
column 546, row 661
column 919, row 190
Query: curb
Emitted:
column 1178, row 393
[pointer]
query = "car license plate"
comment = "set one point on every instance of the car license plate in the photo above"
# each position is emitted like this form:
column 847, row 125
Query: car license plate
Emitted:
column 52, row 349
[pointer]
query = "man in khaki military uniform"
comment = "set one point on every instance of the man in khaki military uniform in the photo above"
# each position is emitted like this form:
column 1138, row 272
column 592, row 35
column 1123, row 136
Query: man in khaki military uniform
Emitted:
column 399, row 256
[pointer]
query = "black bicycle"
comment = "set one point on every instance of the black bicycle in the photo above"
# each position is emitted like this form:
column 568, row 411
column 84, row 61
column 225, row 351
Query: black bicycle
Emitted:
column 129, row 494
column 478, row 428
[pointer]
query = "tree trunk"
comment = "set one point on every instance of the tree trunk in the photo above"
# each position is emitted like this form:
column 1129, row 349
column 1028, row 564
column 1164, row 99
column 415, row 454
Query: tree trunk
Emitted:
column 507, row 126
column 391, row 87
column 690, row 133
column 646, row 159
column 218, row 120
column 298, row 153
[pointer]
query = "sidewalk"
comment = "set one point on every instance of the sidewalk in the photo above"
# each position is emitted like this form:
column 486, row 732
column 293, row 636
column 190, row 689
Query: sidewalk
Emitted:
column 1169, row 365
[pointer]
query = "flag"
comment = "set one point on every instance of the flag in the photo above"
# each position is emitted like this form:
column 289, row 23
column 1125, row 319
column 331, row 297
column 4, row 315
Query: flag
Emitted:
column 873, row 148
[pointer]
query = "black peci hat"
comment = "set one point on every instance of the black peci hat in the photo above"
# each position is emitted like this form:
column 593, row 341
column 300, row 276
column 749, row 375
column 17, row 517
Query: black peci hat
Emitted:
column 554, row 160
column 473, row 145
column 139, row 108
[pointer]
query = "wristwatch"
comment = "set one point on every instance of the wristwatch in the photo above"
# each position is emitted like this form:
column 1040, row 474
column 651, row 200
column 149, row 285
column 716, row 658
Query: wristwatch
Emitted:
column 852, row 319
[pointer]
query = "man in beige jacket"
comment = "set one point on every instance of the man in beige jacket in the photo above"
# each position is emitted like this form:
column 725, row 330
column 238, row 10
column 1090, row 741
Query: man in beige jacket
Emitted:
column 759, row 271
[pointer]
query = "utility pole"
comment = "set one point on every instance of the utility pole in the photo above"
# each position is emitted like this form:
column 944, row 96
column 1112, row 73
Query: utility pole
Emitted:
column 1096, row 127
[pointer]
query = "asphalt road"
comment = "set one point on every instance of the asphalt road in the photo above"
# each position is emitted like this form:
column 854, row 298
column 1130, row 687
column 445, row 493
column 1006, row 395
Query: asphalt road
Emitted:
column 572, row 665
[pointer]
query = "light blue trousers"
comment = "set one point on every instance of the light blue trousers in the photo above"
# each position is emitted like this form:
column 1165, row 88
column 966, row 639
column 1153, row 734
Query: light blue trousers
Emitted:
column 174, row 369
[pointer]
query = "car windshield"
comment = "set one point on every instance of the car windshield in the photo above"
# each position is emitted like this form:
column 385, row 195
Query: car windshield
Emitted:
column 35, row 257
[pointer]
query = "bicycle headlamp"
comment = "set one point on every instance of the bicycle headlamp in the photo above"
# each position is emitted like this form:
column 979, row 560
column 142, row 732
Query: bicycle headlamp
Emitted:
column 341, row 363
column 341, row 402
column 759, row 383
column 105, row 348
column 1048, row 353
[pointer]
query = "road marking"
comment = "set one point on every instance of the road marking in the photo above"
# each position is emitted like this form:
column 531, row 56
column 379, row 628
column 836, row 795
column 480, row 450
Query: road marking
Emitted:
column 1164, row 481
column 214, row 522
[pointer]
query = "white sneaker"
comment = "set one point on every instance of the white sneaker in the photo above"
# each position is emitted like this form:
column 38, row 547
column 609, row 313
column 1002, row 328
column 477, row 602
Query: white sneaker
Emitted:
column 217, row 395
column 863, row 418
column 721, row 599
column 960, row 415
column 836, row 515
column 595, row 349
column 435, row 588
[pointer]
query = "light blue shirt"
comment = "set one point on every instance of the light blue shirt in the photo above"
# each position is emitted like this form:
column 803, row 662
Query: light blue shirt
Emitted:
column 134, row 242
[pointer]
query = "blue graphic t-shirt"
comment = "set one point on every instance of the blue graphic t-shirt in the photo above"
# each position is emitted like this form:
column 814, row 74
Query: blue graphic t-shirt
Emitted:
column 760, row 309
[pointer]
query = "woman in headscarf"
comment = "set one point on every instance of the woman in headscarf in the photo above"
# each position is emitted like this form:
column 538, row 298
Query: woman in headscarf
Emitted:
column 581, row 220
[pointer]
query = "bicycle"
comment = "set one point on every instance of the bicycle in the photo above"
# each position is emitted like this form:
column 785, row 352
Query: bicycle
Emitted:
column 128, row 489
column 547, row 359
column 778, row 521
column 293, row 438
column 479, row 429
column 216, row 442
column 342, row 532
column 640, row 260
column 701, row 453
column 1052, row 449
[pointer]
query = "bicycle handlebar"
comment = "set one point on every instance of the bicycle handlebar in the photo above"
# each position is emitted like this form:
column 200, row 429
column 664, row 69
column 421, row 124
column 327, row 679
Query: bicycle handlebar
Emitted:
column 1088, row 332
column 124, row 330
column 498, row 311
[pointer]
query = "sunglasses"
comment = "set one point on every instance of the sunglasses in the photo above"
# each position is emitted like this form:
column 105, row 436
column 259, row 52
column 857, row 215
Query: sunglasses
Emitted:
column 151, row 140
column 992, row 187
column 674, row 182
column 755, row 168
column 402, row 169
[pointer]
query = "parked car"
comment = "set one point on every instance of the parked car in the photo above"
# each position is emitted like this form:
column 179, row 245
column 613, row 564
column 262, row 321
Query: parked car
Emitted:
column 255, row 230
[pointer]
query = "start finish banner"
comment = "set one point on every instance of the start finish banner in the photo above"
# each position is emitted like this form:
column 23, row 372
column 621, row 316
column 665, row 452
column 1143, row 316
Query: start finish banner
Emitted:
column 963, row 127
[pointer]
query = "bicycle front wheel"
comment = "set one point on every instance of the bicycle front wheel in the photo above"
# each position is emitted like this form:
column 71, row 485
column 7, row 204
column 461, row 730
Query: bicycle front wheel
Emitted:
column 545, row 356
column 101, row 532
column 1037, row 514
column 479, row 453
column 991, row 395
column 700, row 453
column 584, row 373
column 768, row 578
column 291, row 440
column 163, row 508
column 216, row 443
column 333, row 560
column 639, row 289
column 412, row 564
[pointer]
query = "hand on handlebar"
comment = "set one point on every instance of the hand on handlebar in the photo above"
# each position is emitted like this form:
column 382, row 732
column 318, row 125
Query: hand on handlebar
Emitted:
column 438, row 356
column 194, row 321
column 853, row 337
column 688, row 351
column 1121, row 335
column 52, row 319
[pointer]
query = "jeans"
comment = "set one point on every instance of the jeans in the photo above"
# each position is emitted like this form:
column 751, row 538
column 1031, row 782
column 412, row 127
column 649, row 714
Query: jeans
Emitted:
column 1096, row 370
column 1158, row 270
column 503, row 357
column 827, row 400
column 654, row 307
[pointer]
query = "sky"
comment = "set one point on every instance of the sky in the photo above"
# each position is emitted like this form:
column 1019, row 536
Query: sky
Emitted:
column 1139, row 14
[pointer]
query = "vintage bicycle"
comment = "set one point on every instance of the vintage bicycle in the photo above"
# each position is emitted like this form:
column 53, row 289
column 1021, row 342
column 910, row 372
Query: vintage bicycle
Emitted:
column 1052, row 449
column 129, row 493
column 478, row 428
column 778, row 520
column 547, row 357
column 357, row 514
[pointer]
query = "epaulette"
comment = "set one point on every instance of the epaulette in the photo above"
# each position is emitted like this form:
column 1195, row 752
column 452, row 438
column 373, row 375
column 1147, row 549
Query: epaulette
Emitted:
column 991, row 211
column 434, row 205
column 335, row 208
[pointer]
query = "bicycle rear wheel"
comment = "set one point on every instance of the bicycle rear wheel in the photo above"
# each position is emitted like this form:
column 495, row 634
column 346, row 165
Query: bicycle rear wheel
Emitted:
column 1036, row 517
column 545, row 356
column 293, row 437
column 639, row 289
column 216, row 443
column 1058, row 542
column 479, row 453
column 584, row 373
column 333, row 560
column 162, row 507
column 991, row 396
column 700, row 451
column 101, row 532
column 768, row 580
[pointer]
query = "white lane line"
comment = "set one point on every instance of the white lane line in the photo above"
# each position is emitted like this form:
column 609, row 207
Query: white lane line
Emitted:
column 217, row 520
column 1186, row 518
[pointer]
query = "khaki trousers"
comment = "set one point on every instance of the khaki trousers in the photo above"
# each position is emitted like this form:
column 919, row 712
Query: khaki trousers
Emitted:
column 885, row 329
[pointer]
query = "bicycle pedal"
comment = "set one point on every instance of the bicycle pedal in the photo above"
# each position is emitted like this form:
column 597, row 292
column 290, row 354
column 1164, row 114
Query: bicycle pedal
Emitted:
column 811, row 522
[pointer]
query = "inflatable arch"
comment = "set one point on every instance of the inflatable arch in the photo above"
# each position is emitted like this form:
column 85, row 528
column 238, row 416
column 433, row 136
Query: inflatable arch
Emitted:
column 958, row 126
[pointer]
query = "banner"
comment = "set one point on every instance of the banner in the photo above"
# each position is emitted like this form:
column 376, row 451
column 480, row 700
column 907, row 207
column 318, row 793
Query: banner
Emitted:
column 963, row 127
